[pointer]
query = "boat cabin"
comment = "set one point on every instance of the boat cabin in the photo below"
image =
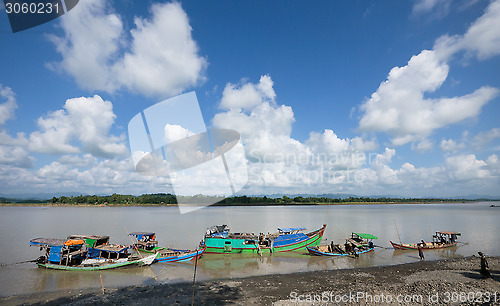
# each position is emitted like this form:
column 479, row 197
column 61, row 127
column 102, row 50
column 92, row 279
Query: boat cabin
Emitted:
column 111, row 251
column 218, row 231
column 91, row 242
column 145, row 240
column 60, row 251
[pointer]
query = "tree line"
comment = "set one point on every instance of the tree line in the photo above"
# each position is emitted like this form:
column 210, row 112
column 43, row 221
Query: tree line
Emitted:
column 166, row 198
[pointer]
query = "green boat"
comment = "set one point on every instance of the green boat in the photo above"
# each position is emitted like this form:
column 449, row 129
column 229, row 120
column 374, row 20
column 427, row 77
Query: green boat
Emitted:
column 219, row 240
column 75, row 255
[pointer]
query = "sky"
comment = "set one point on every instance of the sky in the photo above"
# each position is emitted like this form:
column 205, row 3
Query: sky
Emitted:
column 397, row 98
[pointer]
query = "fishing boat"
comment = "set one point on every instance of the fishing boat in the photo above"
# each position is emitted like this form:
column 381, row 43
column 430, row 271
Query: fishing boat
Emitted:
column 219, row 239
column 146, row 242
column 73, row 255
column 440, row 240
column 358, row 243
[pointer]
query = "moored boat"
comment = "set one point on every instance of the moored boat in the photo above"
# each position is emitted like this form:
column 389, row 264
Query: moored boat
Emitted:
column 73, row 255
column 440, row 240
column 146, row 242
column 219, row 239
column 358, row 243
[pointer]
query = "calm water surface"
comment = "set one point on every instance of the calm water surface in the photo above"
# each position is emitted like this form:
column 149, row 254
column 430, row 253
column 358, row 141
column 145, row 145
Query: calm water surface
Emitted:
column 478, row 223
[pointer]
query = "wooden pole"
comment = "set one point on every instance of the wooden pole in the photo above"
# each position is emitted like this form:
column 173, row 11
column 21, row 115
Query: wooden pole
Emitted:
column 102, row 285
column 397, row 231
column 194, row 276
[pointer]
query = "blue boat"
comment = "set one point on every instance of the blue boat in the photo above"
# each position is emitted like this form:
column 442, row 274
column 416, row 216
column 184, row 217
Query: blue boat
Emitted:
column 358, row 243
column 146, row 242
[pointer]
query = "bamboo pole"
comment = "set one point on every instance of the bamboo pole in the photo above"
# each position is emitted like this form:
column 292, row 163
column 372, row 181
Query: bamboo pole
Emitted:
column 194, row 276
column 397, row 231
column 102, row 285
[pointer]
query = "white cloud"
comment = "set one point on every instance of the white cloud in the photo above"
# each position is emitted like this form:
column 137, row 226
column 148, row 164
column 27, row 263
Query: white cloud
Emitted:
column 248, row 95
column 7, row 108
column 484, row 138
column 175, row 132
column 12, row 152
column 449, row 145
column 439, row 8
column 15, row 157
column 399, row 106
column 424, row 145
column 159, row 59
column 276, row 160
column 466, row 167
column 87, row 120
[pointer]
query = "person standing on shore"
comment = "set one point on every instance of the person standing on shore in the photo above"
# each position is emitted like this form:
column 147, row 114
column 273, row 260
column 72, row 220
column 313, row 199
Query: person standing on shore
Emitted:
column 421, row 252
column 484, row 265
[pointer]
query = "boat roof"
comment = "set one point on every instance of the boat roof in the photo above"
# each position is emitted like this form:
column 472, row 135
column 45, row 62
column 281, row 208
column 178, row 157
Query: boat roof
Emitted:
column 47, row 241
column 88, row 236
column 449, row 233
column 290, row 229
column 112, row 248
column 141, row 233
column 366, row 236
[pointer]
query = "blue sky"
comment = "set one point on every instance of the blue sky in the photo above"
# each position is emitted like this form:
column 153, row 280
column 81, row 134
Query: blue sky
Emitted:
column 402, row 95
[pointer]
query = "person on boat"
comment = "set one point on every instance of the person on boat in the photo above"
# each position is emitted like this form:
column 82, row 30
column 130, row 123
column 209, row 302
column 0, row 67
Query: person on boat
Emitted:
column 370, row 245
column 355, row 251
column 484, row 265
column 347, row 248
column 421, row 252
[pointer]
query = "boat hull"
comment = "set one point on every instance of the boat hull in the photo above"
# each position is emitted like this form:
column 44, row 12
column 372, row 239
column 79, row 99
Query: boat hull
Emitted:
column 186, row 256
column 146, row 261
column 238, row 246
column 428, row 246
column 314, row 251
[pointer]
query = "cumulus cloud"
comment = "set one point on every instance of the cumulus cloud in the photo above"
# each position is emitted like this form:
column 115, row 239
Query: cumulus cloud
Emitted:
column 466, row 167
column 248, row 95
column 158, row 58
column 277, row 160
column 175, row 132
column 481, row 40
column 7, row 108
column 87, row 120
column 399, row 106
column 12, row 151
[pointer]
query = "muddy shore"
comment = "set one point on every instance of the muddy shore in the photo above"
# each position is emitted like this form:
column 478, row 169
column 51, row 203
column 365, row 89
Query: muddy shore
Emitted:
column 455, row 281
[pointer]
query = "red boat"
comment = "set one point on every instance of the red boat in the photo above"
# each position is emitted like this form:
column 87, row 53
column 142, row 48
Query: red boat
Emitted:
column 441, row 240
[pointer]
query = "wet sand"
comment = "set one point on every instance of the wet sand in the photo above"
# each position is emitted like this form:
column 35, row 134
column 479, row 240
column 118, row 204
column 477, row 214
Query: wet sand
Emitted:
column 456, row 281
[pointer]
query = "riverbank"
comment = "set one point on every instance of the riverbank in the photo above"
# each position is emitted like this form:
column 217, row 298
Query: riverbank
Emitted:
column 494, row 202
column 426, row 282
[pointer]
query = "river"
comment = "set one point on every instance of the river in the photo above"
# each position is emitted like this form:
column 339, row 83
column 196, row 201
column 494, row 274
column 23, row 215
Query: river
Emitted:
column 478, row 223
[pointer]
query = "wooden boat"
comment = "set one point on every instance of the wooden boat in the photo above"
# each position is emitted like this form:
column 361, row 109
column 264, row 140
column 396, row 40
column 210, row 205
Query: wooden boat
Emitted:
column 440, row 240
column 73, row 255
column 146, row 242
column 358, row 243
column 218, row 239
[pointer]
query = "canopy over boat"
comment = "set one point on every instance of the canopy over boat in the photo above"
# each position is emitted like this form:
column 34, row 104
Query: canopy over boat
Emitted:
column 141, row 234
column 449, row 233
column 47, row 242
column 365, row 236
column 290, row 229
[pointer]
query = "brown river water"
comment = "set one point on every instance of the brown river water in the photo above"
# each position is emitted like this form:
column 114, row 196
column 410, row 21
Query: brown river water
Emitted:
column 478, row 222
